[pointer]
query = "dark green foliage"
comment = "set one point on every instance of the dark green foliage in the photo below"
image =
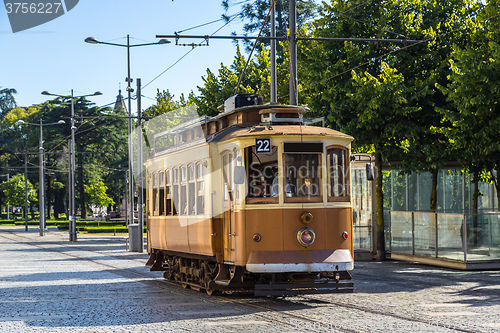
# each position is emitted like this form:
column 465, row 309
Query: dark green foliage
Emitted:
column 254, row 13
column 7, row 100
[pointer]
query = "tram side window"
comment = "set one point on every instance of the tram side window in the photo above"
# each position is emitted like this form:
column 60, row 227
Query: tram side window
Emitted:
column 262, row 171
column 303, row 177
column 338, row 173
column 183, row 207
column 148, row 193
column 191, row 190
column 162, row 193
column 175, row 191
column 236, row 188
column 200, row 188
column 168, row 193
column 155, row 194
column 227, row 175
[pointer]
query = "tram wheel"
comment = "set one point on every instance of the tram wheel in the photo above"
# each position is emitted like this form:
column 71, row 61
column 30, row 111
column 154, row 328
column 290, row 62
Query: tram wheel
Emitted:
column 211, row 292
column 184, row 285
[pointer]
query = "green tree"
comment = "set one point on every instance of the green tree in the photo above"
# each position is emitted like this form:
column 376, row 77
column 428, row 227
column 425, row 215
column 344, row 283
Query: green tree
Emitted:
column 441, row 26
column 475, row 91
column 381, row 106
column 254, row 13
column 165, row 103
column 100, row 144
column 257, row 80
column 7, row 100
column 422, row 144
column 14, row 189
column 96, row 195
column 12, row 134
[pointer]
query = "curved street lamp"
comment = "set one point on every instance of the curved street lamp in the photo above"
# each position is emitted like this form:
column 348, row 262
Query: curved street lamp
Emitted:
column 72, row 206
column 41, row 192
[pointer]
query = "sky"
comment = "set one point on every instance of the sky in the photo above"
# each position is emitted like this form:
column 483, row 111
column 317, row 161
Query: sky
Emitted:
column 54, row 57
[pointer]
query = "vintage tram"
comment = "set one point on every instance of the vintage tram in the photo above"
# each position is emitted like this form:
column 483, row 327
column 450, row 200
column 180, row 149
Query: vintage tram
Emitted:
column 251, row 200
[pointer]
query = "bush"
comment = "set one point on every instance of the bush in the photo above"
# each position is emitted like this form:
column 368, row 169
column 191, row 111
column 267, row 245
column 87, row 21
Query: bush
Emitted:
column 109, row 229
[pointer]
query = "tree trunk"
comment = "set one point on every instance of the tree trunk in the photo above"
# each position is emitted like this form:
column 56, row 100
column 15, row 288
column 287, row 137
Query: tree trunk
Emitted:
column 433, row 203
column 57, row 203
column 32, row 211
column 379, row 197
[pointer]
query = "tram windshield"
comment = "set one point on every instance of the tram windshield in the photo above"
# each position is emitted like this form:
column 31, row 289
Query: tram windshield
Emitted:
column 303, row 175
column 299, row 177
column 262, row 172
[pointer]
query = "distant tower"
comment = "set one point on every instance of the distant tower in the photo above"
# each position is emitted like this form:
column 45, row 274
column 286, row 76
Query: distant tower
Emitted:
column 120, row 102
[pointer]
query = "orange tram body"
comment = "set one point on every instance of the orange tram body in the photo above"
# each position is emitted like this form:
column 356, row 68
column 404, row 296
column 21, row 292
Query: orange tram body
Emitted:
column 252, row 200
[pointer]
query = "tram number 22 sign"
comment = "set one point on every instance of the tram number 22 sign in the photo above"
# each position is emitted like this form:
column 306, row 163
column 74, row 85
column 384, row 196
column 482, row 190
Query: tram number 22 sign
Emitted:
column 263, row 145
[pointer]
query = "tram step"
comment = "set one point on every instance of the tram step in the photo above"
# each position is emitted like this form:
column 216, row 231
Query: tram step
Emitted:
column 222, row 282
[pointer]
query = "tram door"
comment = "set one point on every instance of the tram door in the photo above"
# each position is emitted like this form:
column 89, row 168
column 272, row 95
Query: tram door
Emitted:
column 228, row 207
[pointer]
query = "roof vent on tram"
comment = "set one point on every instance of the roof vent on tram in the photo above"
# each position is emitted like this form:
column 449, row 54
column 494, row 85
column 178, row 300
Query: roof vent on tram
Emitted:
column 284, row 114
column 240, row 100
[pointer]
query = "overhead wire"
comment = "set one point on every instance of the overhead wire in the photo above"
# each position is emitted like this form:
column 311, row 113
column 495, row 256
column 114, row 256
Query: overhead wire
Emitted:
column 253, row 48
column 182, row 57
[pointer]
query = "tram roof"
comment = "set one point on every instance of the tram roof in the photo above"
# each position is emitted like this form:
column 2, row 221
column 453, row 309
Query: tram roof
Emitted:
column 236, row 132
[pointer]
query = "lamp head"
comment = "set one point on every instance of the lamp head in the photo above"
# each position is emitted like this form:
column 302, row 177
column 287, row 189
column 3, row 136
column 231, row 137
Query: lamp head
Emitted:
column 61, row 122
column 20, row 121
column 46, row 93
column 91, row 40
column 164, row 41
column 97, row 93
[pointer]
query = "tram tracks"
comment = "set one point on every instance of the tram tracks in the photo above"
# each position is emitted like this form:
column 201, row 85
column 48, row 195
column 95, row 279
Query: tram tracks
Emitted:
column 427, row 284
column 276, row 310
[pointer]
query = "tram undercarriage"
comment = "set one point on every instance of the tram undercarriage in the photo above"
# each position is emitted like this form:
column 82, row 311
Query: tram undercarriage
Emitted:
column 205, row 273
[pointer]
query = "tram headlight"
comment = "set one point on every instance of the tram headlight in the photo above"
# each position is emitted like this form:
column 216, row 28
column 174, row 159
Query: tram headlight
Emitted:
column 306, row 236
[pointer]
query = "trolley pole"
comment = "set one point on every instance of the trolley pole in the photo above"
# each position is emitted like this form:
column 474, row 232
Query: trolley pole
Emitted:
column 72, row 161
column 139, row 171
column 292, row 18
column 41, row 203
column 274, row 98
column 25, row 188
column 130, row 162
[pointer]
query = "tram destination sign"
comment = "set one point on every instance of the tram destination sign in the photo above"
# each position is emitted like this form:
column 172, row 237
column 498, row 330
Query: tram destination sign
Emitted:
column 263, row 145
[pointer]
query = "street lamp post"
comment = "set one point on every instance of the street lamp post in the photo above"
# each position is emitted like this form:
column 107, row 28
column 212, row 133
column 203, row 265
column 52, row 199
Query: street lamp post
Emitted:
column 71, row 177
column 41, row 191
column 93, row 40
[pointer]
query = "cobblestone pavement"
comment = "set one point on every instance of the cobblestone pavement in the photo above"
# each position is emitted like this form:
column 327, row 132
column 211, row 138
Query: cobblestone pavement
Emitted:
column 48, row 284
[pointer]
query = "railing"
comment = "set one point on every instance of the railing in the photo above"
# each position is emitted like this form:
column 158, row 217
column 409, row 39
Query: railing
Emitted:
column 463, row 237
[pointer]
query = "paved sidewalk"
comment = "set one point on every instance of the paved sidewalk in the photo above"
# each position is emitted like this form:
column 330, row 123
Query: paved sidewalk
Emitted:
column 48, row 284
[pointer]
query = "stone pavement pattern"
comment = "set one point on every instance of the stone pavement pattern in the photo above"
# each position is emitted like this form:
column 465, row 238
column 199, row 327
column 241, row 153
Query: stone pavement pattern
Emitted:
column 48, row 284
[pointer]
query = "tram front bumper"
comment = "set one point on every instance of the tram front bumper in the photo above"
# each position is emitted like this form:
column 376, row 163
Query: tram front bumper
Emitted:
column 300, row 261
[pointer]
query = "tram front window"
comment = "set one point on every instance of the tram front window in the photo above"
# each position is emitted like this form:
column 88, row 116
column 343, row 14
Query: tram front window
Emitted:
column 303, row 176
column 262, row 172
column 303, row 171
